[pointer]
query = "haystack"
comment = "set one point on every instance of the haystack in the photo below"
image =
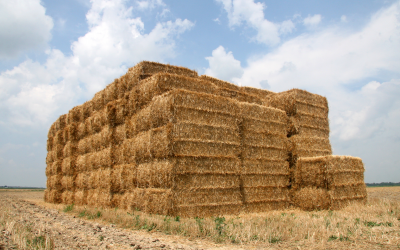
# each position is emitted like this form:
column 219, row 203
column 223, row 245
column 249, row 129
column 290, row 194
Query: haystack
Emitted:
column 164, row 140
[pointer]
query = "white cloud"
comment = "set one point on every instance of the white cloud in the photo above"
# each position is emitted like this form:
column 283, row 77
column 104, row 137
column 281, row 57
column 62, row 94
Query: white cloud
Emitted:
column 311, row 21
column 343, row 18
column 34, row 93
column 149, row 4
column 223, row 65
column 24, row 26
column 252, row 13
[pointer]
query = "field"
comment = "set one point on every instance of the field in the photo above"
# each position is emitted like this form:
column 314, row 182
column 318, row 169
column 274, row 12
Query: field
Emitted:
column 26, row 222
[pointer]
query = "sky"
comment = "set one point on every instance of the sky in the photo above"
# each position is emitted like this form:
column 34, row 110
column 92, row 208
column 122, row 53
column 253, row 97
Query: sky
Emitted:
column 57, row 54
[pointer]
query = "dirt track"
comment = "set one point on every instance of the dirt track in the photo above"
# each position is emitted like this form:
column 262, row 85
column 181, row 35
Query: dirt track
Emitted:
column 69, row 232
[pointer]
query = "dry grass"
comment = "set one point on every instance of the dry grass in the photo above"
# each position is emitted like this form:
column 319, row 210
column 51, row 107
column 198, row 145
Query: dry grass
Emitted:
column 15, row 233
column 375, row 224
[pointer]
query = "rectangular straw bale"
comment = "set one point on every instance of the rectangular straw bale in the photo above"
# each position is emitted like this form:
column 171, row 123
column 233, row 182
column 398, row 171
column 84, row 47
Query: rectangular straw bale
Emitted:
column 99, row 198
column 311, row 198
column 58, row 152
column 265, row 180
column 54, row 168
column 98, row 101
column 100, row 159
column 349, row 191
column 195, row 181
column 220, row 83
column 118, row 157
column 239, row 96
column 263, row 206
column 254, row 111
column 75, row 114
column 67, row 197
column 121, row 86
column 82, row 130
column 146, row 69
column 59, row 138
column 110, row 93
column 94, row 179
column 60, row 123
column 205, row 165
column 82, row 163
column 119, row 134
column 300, row 101
column 97, row 121
column 71, row 132
column 69, row 166
column 50, row 157
column 264, row 152
column 134, row 199
column 161, row 83
column 117, row 200
column 263, row 94
column 50, row 143
column 82, row 181
column 121, row 111
column 105, row 180
column 70, row 149
column 310, row 172
column 68, row 182
column 208, row 210
column 124, row 178
column 81, row 197
column 52, row 130
column 53, row 196
column 129, row 148
column 208, row 196
column 87, row 110
column 269, row 166
column 158, row 201
column 54, row 182
column 101, row 140
column 85, row 145
column 259, row 194
column 310, row 146
column 265, row 139
column 155, row 174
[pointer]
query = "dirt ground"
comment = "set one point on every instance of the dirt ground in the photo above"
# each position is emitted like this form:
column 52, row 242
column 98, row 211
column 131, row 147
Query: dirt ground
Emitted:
column 70, row 232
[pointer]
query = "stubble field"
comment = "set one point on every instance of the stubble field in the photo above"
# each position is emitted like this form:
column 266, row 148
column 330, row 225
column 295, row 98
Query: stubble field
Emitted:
column 27, row 222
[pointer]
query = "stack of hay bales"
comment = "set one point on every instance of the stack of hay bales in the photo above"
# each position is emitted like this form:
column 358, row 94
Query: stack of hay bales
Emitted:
column 318, row 180
column 166, row 141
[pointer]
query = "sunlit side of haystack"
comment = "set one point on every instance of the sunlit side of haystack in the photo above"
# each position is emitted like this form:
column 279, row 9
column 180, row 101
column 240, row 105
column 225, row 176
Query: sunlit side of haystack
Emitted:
column 164, row 140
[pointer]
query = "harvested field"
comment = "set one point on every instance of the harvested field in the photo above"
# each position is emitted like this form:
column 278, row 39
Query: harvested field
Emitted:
column 371, row 226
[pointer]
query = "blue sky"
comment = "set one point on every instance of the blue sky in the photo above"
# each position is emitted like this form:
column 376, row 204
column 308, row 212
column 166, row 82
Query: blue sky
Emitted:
column 56, row 54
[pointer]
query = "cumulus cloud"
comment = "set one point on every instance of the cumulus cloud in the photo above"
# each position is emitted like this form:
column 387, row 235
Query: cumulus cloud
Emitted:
column 24, row 26
column 223, row 65
column 33, row 93
column 149, row 4
column 252, row 13
column 311, row 21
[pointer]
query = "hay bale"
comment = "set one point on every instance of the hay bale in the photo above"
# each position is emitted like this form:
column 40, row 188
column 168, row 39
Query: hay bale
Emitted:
column 124, row 178
column 68, row 197
column 69, row 166
column 208, row 196
column 81, row 197
column 54, row 182
column 68, row 183
column 265, row 180
column 161, row 83
column 53, row 196
column 311, row 198
column 303, row 146
column 220, row 83
column 263, row 94
column 146, row 69
column 270, row 166
column 205, row 165
column 265, row 194
column 82, row 181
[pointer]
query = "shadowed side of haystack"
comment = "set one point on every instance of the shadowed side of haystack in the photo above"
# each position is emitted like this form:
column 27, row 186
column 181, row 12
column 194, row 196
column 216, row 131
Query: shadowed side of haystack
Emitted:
column 166, row 141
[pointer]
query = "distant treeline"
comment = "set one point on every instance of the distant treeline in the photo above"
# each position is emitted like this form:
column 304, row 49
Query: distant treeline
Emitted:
column 383, row 184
